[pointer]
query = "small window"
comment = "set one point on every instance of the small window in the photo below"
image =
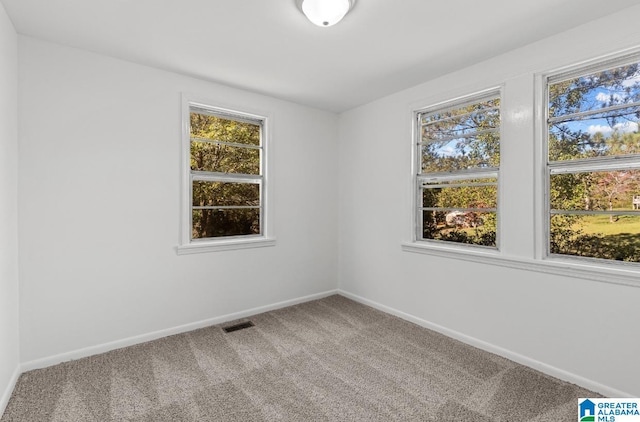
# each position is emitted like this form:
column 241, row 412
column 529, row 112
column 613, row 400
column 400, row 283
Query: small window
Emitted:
column 593, row 162
column 225, row 181
column 458, row 160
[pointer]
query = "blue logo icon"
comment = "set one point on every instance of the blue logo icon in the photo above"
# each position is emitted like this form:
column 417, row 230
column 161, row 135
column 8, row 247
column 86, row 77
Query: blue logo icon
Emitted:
column 587, row 411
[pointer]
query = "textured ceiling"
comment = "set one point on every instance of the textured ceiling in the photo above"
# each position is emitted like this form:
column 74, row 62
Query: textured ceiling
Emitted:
column 268, row 46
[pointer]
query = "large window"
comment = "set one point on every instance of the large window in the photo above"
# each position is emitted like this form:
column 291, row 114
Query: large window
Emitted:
column 593, row 164
column 458, row 160
column 225, row 192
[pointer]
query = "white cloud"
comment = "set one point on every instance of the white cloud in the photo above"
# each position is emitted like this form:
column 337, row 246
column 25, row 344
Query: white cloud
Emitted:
column 447, row 151
column 605, row 98
column 631, row 81
column 625, row 127
column 605, row 130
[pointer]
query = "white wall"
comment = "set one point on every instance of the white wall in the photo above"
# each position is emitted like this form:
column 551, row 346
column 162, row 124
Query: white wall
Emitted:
column 9, row 342
column 573, row 327
column 99, row 205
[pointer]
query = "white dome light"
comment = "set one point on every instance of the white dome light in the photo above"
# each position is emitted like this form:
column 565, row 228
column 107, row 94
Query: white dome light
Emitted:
column 325, row 12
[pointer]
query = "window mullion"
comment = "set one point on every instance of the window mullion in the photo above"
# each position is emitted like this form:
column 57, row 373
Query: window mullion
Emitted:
column 585, row 115
column 225, row 143
column 225, row 207
column 595, row 164
column 481, row 173
column 467, row 135
column 225, row 177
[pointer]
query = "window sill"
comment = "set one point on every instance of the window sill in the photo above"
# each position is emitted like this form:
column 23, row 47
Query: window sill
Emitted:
column 607, row 274
column 224, row 245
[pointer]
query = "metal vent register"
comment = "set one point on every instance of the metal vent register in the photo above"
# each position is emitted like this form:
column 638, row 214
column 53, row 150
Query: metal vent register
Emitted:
column 237, row 327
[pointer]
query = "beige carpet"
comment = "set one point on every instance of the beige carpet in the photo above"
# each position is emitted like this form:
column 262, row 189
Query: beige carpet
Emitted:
column 326, row 360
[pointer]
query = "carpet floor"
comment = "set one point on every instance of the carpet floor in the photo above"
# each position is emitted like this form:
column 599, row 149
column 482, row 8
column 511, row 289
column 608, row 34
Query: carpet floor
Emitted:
column 326, row 360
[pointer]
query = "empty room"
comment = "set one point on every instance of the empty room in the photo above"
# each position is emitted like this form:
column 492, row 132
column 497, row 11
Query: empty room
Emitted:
column 319, row 210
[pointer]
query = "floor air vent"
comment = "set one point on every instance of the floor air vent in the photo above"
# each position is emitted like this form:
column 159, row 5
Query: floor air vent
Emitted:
column 237, row 327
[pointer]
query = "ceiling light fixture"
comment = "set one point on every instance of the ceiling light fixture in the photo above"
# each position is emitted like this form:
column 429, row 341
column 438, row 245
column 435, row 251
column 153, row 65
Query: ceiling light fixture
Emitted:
column 325, row 12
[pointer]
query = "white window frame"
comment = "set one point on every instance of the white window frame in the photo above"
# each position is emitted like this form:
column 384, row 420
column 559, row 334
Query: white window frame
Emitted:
column 440, row 247
column 576, row 263
column 535, row 262
column 187, row 245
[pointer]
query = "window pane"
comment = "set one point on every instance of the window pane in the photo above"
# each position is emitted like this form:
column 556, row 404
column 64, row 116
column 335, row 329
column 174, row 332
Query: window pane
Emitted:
column 602, row 191
column 595, row 91
column 462, row 153
column 224, row 130
column 455, row 206
column 461, row 121
column 596, row 136
column 475, row 228
column 461, row 138
column 596, row 236
column 225, row 159
column 608, row 123
column 225, row 172
column 595, row 116
column 225, row 222
column 480, row 193
column 225, row 194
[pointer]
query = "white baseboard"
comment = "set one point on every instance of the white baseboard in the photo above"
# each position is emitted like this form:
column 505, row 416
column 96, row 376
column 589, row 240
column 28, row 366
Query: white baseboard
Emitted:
column 102, row 348
column 491, row 348
column 6, row 395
